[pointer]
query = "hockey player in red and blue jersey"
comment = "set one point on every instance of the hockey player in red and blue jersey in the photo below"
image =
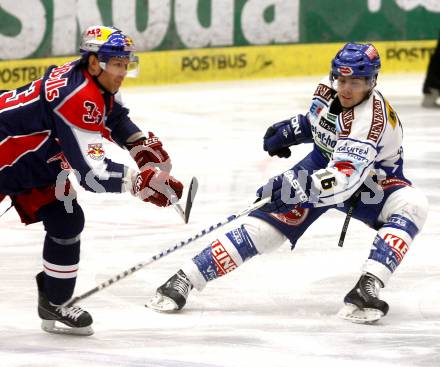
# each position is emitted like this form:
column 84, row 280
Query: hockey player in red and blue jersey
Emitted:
column 57, row 124
column 356, row 165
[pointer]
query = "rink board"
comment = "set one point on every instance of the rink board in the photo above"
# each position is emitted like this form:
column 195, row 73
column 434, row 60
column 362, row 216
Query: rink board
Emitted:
column 250, row 62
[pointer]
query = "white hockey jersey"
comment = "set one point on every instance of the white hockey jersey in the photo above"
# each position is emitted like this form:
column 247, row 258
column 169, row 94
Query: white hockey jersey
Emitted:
column 368, row 136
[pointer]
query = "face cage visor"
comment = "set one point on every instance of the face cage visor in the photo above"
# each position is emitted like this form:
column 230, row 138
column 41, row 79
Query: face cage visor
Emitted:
column 116, row 65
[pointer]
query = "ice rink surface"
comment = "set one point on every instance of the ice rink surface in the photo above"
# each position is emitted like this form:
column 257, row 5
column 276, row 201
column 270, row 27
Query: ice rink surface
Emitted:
column 276, row 310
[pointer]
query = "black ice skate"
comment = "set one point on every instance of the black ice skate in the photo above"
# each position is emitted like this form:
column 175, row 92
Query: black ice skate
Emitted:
column 362, row 303
column 172, row 295
column 78, row 321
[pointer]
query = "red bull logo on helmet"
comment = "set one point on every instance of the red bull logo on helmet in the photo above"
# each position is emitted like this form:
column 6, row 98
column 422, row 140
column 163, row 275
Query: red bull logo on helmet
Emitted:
column 99, row 33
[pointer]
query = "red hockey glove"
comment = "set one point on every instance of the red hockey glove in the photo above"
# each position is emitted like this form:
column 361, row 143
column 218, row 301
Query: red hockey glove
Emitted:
column 148, row 153
column 156, row 187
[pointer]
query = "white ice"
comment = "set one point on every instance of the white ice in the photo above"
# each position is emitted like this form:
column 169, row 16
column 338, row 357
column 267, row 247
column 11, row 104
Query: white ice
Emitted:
column 277, row 309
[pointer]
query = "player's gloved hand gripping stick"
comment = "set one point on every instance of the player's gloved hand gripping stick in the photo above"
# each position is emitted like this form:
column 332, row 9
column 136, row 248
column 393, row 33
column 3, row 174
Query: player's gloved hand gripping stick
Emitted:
column 202, row 233
column 148, row 153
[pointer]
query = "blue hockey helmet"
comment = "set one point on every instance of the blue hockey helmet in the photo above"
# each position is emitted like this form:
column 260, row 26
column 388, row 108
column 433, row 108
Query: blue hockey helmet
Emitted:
column 106, row 43
column 356, row 59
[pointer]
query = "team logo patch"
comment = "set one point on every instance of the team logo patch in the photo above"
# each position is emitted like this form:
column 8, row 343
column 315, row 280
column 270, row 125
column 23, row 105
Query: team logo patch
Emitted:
column 293, row 218
column 96, row 152
column 345, row 70
column 398, row 245
column 222, row 259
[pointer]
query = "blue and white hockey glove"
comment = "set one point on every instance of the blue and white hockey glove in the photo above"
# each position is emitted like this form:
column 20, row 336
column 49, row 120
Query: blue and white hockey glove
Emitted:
column 280, row 136
column 286, row 192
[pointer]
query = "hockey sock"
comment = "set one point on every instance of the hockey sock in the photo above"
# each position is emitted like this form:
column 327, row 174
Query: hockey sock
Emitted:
column 225, row 254
column 390, row 246
column 61, row 250
column 60, row 269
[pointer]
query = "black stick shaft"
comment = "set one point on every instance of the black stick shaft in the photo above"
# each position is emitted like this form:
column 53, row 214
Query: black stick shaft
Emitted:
column 348, row 216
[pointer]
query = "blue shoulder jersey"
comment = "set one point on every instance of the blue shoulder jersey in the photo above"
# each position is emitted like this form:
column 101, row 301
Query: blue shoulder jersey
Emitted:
column 58, row 122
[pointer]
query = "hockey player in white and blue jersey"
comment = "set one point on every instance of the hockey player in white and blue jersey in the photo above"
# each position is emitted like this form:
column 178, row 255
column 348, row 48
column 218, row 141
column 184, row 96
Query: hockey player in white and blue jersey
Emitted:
column 356, row 162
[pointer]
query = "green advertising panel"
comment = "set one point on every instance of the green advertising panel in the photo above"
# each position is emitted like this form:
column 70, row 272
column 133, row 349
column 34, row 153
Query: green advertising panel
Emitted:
column 357, row 20
column 42, row 28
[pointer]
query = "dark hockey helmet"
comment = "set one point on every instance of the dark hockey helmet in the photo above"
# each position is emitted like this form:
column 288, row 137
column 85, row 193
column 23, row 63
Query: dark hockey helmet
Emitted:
column 356, row 59
column 106, row 43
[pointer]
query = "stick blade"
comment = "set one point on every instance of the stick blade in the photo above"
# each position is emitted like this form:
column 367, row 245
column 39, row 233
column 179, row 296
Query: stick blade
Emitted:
column 193, row 187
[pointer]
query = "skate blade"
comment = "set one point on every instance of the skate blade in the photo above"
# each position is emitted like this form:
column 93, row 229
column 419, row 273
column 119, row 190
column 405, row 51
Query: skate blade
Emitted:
column 354, row 314
column 51, row 326
column 160, row 303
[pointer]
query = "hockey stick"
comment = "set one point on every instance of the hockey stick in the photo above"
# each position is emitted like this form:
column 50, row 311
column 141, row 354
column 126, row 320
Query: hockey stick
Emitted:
column 204, row 232
column 193, row 187
column 7, row 209
column 354, row 201
column 2, row 214
column 192, row 191
column 175, row 203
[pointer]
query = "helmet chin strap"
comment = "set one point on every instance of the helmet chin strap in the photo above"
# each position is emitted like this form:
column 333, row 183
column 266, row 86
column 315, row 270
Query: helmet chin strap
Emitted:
column 95, row 78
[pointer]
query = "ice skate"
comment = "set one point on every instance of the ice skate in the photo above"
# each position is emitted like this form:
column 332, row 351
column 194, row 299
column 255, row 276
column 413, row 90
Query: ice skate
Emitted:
column 77, row 320
column 172, row 295
column 362, row 303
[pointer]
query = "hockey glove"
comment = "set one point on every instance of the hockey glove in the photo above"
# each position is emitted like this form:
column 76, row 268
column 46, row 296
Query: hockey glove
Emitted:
column 280, row 136
column 149, row 153
column 285, row 191
column 156, row 187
